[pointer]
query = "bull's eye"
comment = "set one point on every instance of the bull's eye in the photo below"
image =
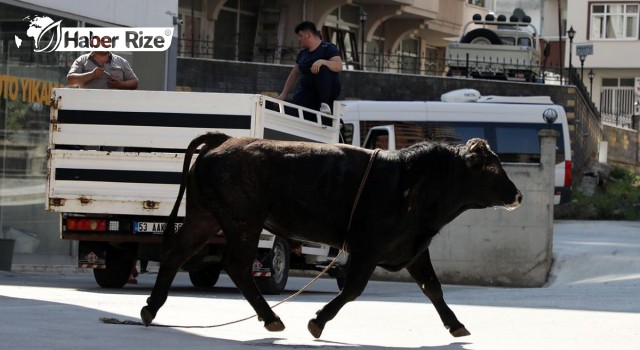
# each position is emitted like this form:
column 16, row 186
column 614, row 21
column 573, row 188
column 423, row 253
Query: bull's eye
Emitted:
column 493, row 169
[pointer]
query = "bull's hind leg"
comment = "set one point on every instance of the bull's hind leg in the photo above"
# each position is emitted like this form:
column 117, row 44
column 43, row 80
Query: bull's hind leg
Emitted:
column 356, row 277
column 189, row 239
column 423, row 273
column 240, row 253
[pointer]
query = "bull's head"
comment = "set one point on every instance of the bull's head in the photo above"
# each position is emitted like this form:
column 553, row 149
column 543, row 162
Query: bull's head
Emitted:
column 491, row 186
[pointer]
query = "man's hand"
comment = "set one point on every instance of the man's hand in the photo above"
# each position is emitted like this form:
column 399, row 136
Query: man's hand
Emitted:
column 97, row 73
column 114, row 83
column 315, row 67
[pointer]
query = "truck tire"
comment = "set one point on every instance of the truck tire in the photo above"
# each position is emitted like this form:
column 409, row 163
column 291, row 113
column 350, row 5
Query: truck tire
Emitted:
column 277, row 260
column 205, row 277
column 118, row 269
column 481, row 36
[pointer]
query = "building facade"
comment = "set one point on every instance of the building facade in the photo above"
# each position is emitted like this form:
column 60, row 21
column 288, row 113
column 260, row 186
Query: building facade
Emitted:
column 26, row 80
column 611, row 69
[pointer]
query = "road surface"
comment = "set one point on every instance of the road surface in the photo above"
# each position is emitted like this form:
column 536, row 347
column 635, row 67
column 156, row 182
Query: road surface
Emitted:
column 591, row 302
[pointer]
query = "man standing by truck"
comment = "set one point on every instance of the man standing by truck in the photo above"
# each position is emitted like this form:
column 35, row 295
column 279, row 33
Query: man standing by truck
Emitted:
column 102, row 70
column 317, row 66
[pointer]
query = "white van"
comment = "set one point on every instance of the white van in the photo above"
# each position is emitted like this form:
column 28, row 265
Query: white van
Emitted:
column 510, row 124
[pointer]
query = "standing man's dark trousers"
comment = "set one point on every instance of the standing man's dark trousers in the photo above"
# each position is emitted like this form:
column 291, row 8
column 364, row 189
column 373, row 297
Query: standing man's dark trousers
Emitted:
column 325, row 88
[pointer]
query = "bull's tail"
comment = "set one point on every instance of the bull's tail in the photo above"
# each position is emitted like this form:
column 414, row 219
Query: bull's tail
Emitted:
column 210, row 140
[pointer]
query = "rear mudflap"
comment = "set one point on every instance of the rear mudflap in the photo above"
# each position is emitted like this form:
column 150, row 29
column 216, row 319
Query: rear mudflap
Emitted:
column 92, row 255
column 259, row 270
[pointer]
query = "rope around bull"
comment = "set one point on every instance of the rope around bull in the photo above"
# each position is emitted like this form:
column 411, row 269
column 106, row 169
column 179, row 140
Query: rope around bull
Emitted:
column 112, row 320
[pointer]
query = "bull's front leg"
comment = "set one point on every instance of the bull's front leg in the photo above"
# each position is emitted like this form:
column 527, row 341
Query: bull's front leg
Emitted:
column 423, row 273
column 356, row 277
column 190, row 238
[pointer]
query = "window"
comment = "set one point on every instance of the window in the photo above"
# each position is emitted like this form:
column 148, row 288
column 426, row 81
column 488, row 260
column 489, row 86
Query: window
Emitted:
column 235, row 30
column 614, row 21
column 408, row 60
column 346, row 42
column 340, row 28
column 512, row 142
column 616, row 101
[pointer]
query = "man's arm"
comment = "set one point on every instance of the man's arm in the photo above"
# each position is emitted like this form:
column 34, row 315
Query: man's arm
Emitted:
column 290, row 83
column 130, row 84
column 80, row 79
column 334, row 64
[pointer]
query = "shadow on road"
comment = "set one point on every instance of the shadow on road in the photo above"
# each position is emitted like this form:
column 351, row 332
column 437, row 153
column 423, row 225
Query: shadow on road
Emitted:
column 52, row 325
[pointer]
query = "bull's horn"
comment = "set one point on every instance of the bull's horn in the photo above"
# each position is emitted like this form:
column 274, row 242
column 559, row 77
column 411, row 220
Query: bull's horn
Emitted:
column 475, row 145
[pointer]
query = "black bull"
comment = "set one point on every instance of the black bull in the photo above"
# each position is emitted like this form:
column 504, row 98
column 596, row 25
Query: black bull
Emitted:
column 306, row 191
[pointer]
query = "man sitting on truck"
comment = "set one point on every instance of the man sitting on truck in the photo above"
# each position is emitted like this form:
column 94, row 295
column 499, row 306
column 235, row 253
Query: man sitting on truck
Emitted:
column 317, row 66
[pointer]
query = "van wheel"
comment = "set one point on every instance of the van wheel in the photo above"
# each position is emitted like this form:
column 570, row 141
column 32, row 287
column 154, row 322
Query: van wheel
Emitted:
column 118, row 269
column 277, row 260
column 205, row 277
column 481, row 36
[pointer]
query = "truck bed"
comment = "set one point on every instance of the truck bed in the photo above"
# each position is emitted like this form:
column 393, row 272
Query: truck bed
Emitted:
column 121, row 152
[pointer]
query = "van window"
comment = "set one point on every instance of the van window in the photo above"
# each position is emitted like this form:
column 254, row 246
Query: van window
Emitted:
column 512, row 142
column 517, row 144
column 520, row 143
column 346, row 133
column 454, row 134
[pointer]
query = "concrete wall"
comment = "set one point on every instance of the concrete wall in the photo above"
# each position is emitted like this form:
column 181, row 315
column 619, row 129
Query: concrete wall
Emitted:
column 624, row 145
column 499, row 247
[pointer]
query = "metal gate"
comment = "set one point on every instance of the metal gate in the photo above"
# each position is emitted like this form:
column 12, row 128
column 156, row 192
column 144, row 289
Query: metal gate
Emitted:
column 616, row 105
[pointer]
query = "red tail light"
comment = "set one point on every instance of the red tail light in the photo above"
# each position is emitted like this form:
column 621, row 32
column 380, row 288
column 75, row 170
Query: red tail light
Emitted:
column 81, row 224
column 567, row 173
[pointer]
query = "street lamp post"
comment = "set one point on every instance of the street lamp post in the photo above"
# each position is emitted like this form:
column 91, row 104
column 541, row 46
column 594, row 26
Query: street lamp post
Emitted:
column 571, row 33
column 591, row 76
column 363, row 19
column 582, row 58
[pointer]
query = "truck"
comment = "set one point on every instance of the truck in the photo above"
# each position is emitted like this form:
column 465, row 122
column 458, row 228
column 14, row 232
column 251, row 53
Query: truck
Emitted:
column 495, row 48
column 115, row 163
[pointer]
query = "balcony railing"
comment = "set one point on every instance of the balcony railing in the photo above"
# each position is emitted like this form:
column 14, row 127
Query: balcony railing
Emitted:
column 374, row 61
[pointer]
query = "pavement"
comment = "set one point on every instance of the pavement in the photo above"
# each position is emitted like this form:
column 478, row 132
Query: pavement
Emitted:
column 592, row 301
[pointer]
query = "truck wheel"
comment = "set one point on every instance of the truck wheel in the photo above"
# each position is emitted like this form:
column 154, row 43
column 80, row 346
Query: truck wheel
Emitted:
column 481, row 36
column 277, row 260
column 205, row 277
column 117, row 272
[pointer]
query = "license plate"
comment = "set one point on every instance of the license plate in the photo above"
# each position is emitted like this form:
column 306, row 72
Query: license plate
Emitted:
column 153, row 227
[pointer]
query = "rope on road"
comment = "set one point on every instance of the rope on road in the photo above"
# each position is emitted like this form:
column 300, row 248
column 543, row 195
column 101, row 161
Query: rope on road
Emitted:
column 111, row 320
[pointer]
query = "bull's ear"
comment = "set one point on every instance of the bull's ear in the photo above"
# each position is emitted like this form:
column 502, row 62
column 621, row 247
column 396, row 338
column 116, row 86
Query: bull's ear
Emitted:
column 477, row 145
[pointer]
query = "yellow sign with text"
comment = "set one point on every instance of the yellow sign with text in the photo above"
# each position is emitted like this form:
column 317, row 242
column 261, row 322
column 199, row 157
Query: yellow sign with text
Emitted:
column 29, row 90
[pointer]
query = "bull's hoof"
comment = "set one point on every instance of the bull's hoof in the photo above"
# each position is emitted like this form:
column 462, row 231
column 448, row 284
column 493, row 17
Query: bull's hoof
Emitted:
column 147, row 316
column 275, row 326
column 315, row 329
column 460, row 332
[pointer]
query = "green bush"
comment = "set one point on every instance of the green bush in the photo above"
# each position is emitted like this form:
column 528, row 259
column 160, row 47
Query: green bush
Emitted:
column 617, row 199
